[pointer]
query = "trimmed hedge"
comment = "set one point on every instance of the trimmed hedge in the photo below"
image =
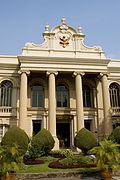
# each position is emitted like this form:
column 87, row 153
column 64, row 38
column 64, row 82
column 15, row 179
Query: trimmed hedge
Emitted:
column 17, row 136
column 41, row 144
column 85, row 140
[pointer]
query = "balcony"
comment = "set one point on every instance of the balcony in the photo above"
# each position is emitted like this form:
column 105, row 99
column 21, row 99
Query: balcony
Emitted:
column 115, row 111
column 7, row 111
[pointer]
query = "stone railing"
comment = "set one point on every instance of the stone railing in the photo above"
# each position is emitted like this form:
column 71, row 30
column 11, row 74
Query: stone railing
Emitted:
column 8, row 111
column 5, row 109
column 115, row 111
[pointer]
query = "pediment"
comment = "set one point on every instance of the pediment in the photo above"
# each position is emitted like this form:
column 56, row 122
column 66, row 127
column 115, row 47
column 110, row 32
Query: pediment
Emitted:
column 62, row 38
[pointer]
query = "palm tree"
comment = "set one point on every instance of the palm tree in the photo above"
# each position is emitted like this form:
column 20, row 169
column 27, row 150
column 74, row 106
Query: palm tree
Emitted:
column 107, row 156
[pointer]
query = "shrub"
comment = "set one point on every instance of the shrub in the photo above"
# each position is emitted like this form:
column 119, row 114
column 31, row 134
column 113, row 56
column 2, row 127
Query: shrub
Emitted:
column 67, row 153
column 17, row 136
column 63, row 152
column 75, row 159
column 85, row 140
column 107, row 155
column 115, row 136
column 10, row 160
column 41, row 144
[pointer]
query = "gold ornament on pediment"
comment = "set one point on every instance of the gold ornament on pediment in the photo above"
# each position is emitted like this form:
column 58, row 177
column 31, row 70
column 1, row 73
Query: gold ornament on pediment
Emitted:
column 64, row 40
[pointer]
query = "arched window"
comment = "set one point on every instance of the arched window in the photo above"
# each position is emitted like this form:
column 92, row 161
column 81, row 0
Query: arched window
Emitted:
column 6, row 93
column 87, row 96
column 37, row 95
column 62, row 96
column 114, row 95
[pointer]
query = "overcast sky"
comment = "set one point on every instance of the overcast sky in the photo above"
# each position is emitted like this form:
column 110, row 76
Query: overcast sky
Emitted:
column 23, row 21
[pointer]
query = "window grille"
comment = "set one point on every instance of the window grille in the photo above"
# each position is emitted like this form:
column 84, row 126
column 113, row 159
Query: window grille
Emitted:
column 6, row 93
column 62, row 95
column 114, row 95
column 87, row 96
column 37, row 95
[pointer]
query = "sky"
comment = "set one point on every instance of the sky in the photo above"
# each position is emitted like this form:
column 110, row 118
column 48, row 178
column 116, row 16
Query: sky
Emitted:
column 23, row 21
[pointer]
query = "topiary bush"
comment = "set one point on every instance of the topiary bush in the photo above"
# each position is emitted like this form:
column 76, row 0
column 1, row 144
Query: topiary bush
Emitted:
column 85, row 140
column 115, row 135
column 17, row 136
column 41, row 144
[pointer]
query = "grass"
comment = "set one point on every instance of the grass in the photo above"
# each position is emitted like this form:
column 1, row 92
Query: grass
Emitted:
column 44, row 167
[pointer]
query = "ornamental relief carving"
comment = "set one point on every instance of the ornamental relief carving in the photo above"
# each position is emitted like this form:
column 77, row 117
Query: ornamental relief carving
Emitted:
column 64, row 36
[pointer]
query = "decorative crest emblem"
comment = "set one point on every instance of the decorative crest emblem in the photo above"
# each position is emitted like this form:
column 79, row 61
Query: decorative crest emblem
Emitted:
column 64, row 40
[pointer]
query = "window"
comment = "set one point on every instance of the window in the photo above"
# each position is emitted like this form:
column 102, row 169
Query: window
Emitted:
column 62, row 96
column 6, row 93
column 3, row 129
column 37, row 95
column 114, row 95
column 87, row 96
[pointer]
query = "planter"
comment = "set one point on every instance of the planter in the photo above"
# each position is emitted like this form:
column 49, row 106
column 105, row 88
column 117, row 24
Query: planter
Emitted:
column 10, row 176
column 106, row 174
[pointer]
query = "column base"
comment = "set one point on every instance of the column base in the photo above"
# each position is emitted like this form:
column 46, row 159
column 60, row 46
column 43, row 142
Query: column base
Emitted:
column 56, row 146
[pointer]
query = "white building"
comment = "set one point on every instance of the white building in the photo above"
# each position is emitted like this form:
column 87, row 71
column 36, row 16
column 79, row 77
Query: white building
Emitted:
column 61, row 85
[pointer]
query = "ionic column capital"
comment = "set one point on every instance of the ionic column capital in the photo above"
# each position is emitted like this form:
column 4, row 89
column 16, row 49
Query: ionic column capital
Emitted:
column 103, row 74
column 23, row 71
column 51, row 72
column 75, row 73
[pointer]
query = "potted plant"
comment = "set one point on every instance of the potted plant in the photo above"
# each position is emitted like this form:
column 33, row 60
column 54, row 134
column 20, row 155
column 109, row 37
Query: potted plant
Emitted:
column 107, row 157
column 10, row 162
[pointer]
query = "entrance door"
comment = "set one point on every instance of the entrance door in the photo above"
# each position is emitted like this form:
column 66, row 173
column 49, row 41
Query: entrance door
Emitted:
column 36, row 126
column 87, row 124
column 63, row 134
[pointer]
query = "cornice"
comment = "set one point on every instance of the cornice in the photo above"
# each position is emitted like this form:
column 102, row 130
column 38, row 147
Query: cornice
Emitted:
column 62, row 60
column 114, row 69
column 5, row 56
column 9, row 67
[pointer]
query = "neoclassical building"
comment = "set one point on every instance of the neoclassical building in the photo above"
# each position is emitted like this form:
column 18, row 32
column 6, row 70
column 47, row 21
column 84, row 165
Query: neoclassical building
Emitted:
column 61, row 85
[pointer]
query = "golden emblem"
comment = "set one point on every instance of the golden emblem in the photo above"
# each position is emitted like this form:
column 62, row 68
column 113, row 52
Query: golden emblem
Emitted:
column 64, row 41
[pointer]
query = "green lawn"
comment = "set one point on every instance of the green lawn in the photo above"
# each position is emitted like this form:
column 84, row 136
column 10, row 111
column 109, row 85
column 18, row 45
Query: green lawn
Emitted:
column 44, row 167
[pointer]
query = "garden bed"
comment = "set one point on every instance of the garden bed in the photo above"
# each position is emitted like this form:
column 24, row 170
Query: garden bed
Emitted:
column 56, row 164
column 33, row 162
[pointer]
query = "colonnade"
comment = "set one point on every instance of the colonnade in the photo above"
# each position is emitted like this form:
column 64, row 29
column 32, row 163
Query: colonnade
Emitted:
column 52, row 102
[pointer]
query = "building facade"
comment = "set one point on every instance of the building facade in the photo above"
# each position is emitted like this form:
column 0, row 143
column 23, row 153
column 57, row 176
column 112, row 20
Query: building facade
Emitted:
column 61, row 85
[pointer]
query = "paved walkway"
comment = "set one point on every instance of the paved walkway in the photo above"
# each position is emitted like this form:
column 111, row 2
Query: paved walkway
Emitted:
column 70, row 175
column 77, row 178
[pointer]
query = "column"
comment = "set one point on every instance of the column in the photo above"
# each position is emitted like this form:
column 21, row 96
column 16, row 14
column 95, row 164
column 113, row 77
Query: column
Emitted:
column 23, row 100
column 79, row 99
column 52, row 107
column 106, row 105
